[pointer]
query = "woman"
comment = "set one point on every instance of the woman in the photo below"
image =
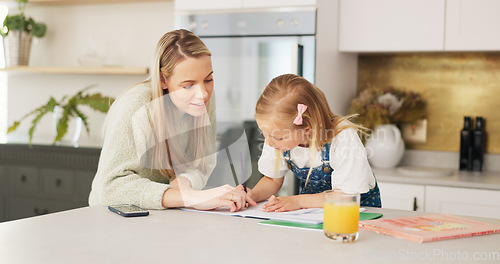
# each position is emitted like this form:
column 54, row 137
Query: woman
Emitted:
column 159, row 143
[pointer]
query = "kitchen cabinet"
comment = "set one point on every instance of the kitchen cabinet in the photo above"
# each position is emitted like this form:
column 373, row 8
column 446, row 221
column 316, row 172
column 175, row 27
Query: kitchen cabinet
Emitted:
column 419, row 25
column 472, row 25
column 44, row 179
column 425, row 196
column 35, row 190
column 18, row 207
column 462, row 201
column 402, row 196
column 84, row 180
column 2, row 205
column 391, row 25
column 202, row 5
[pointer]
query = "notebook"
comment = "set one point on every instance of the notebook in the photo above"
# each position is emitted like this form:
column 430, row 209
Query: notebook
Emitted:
column 318, row 227
column 309, row 216
column 430, row 227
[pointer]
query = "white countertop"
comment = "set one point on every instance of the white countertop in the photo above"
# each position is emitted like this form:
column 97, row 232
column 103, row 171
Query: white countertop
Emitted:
column 96, row 235
column 464, row 179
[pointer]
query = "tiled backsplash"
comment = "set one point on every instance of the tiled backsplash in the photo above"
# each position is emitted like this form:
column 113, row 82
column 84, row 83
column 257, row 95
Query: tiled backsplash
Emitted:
column 454, row 84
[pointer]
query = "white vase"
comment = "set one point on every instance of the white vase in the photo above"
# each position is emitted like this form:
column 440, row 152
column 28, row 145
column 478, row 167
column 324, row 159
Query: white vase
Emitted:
column 385, row 146
column 74, row 129
column 17, row 48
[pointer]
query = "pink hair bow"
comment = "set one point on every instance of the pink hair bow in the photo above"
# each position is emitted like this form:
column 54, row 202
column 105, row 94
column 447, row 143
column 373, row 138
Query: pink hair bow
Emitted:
column 301, row 108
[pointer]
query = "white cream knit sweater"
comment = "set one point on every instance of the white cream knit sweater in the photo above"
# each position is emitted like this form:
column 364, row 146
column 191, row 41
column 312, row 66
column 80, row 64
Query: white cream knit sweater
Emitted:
column 120, row 178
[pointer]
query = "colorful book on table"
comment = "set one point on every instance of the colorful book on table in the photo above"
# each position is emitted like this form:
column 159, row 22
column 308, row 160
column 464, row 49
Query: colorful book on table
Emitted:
column 430, row 227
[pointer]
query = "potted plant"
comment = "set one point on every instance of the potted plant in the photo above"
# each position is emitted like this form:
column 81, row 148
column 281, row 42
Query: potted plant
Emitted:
column 19, row 30
column 69, row 108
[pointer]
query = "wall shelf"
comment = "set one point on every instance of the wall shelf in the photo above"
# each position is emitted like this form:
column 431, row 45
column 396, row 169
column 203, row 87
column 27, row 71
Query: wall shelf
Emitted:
column 89, row 2
column 80, row 70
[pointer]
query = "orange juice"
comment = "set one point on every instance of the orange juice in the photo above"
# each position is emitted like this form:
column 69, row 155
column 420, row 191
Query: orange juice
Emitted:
column 341, row 217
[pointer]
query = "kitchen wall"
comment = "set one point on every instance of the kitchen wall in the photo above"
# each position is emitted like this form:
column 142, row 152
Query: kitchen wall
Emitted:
column 454, row 84
column 122, row 34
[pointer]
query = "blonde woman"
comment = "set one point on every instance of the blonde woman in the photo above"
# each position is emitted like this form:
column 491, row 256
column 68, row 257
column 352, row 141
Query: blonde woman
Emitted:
column 322, row 149
column 159, row 141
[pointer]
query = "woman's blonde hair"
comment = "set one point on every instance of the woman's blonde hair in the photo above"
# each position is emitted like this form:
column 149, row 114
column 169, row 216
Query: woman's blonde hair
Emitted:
column 173, row 48
column 278, row 105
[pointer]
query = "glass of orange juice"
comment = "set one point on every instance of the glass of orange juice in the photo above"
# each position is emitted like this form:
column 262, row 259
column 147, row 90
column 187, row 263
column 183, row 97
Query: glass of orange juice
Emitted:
column 341, row 218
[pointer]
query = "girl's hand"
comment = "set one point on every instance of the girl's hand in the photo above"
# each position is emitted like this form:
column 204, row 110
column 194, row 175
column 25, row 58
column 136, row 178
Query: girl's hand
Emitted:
column 224, row 196
column 282, row 204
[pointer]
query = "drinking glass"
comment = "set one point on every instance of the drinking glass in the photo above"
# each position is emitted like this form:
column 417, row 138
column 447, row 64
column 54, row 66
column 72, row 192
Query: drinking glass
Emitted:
column 341, row 218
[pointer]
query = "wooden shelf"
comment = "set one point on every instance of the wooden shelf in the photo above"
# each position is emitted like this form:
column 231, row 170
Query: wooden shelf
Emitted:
column 89, row 2
column 80, row 70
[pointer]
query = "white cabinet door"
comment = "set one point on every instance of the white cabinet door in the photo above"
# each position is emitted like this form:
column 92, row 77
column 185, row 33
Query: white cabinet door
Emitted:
column 204, row 5
column 402, row 196
column 462, row 201
column 277, row 3
column 391, row 25
column 472, row 25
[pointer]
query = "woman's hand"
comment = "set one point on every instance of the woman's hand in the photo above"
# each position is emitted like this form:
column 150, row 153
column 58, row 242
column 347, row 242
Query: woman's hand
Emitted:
column 282, row 204
column 224, row 196
column 249, row 191
column 181, row 183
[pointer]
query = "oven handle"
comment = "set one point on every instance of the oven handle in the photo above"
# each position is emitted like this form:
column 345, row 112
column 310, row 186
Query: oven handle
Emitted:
column 297, row 55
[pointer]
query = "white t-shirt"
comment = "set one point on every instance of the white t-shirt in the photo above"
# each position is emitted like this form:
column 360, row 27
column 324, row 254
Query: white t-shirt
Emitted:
column 351, row 170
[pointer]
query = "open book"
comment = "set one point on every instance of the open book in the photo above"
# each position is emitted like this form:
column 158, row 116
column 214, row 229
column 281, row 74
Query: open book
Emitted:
column 309, row 216
column 430, row 227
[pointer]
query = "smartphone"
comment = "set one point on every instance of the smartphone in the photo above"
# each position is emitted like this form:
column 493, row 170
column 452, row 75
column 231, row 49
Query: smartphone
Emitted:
column 128, row 210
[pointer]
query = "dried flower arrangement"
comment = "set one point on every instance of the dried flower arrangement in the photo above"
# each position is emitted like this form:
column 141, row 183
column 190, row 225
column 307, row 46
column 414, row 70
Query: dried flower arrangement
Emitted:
column 376, row 106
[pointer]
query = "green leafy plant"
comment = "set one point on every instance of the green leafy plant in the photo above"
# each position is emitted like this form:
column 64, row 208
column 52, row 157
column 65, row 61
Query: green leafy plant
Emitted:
column 376, row 106
column 20, row 22
column 70, row 109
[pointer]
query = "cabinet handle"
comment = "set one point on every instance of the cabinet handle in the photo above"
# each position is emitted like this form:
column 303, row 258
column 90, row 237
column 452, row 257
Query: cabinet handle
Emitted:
column 415, row 207
column 23, row 178
column 58, row 182
column 40, row 212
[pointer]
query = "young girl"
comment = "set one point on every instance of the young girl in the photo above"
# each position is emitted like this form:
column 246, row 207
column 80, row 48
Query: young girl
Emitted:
column 322, row 149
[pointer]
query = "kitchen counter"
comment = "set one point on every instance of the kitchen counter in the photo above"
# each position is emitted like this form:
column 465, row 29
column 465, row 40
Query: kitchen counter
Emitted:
column 96, row 235
column 464, row 179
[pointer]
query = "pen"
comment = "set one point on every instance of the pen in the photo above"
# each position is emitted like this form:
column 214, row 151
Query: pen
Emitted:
column 243, row 172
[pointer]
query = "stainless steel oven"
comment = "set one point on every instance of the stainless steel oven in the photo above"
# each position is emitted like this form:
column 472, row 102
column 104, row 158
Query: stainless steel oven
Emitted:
column 248, row 50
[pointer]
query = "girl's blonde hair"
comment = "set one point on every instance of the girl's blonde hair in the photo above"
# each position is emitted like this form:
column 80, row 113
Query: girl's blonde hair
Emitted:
column 173, row 48
column 278, row 105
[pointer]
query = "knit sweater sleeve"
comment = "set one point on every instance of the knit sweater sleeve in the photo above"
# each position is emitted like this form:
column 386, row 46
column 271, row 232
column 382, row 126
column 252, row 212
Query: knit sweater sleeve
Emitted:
column 120, row 177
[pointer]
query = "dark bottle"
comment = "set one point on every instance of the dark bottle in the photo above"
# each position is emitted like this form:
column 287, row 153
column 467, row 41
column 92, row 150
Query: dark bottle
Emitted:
column 478, row 144
column 466, row 145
